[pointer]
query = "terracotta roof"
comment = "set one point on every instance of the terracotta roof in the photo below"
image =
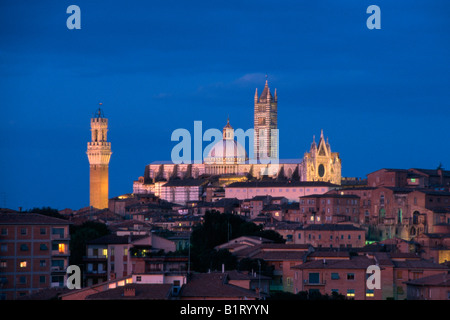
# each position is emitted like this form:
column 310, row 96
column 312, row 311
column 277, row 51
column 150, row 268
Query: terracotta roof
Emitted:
column 213, row 285
column 115, row 239
column 332, row 227
column 142, row 292
column 329, row 254
column 30, row 218
column 280, row 184
column 331, row 195
column 244, row 275
column 280, row 255
column 438, row 280
column 358, row 262
column 418, row 264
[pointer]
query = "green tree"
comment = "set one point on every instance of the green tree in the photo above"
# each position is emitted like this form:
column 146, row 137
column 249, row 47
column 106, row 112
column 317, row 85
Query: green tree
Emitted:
column 80, row 235
column 217, row 229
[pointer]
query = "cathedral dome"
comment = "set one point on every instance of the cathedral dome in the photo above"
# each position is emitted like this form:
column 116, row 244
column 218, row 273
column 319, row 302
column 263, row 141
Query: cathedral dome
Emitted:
column 227, row 150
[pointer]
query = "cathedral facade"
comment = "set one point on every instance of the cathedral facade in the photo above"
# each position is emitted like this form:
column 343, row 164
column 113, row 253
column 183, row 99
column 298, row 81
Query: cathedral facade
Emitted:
column 227, row 157
column 320, row 164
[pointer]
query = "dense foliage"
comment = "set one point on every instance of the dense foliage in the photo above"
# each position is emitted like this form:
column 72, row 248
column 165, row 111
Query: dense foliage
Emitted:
column 217, row 229
column 80, row 235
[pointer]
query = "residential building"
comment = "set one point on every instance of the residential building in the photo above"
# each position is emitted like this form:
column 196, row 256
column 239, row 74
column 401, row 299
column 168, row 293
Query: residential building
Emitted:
column 329, row 208
column 34, row 253
column 110, row 257
column 344, row 276
column 330, row 236
column 435, row 287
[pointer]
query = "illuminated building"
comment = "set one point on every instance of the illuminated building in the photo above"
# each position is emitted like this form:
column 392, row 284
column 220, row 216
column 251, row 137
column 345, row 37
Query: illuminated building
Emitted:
column 99, row 154
column 227, row 157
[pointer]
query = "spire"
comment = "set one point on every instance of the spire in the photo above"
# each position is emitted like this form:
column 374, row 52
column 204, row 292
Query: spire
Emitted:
column 256, row 95
column 313, row 144
column 275, row 95
column 266, row 95
column 99, row 112
column 321, row 133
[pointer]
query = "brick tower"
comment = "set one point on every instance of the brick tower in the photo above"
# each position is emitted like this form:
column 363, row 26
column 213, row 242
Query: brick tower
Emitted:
column 265, row 124
column 99, row 154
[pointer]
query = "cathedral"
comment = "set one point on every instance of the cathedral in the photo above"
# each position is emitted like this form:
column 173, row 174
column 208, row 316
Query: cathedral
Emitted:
column 228, row 158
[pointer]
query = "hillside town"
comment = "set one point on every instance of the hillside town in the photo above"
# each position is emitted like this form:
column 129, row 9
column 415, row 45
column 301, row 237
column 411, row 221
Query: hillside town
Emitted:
column 321, row 243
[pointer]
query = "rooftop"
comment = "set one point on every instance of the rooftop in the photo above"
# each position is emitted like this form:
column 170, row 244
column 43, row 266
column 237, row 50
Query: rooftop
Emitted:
column 282, row 184
column 438, row 280
column 140, row 292
column 30, row 218
column 332, row 227
column 115, row 239
column 214, row 285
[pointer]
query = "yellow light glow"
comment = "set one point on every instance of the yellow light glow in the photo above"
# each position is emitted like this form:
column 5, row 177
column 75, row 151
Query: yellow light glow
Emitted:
column 112, row 286
column 350, row 294
column 61, row 248
column 105, row 252
column 129, row 280
column 370, row 295
column 121, row 283
column 23, row 264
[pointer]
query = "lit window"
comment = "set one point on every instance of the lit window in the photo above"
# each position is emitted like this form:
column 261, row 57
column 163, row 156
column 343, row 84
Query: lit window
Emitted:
column 350, row 293
column 61, row 248
column 129, row 280
column 105, row 252
column 112, row 286
column 23, row 264
column 370, row 293
column 125, row 251
column 121, row 283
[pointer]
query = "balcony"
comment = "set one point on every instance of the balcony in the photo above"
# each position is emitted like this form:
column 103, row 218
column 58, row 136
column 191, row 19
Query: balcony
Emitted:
column 58, row 270
column 314, row 283
column 96, row 273
column 58, row 236
column 95, row 258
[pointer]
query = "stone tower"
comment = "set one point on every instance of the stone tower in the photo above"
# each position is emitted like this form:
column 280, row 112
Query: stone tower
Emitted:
column 320, row 164
column 265, row 124
column 99, row 154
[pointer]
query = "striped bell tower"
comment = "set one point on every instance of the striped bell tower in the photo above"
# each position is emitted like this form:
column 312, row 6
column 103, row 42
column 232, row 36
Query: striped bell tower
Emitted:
column 265, row 124
column 99, row 154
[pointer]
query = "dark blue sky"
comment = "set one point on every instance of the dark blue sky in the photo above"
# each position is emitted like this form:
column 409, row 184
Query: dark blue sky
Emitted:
column 381, row 96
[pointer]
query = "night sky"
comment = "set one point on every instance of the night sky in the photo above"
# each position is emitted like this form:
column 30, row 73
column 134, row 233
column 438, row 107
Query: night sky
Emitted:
column 381, row 96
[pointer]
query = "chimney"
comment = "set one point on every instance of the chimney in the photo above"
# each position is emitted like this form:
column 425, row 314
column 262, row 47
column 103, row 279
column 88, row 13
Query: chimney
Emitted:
column 129, row 292
column 223, row 268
